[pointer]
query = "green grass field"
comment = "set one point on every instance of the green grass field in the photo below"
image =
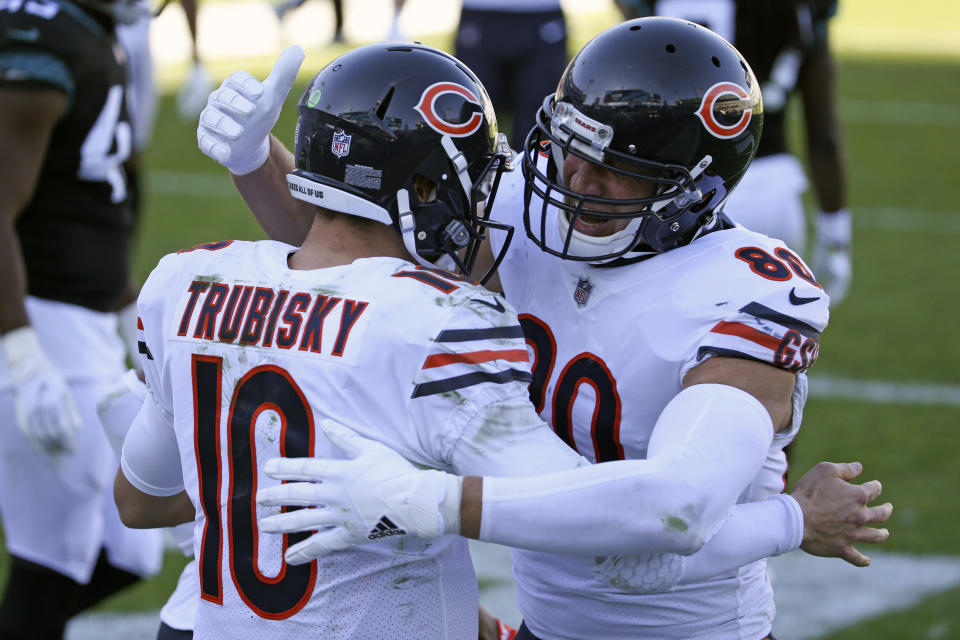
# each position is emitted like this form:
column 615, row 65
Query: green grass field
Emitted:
column 900, row 103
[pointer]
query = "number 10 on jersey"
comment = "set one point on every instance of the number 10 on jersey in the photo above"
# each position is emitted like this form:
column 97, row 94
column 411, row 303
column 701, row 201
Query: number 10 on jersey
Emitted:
column 263, row 388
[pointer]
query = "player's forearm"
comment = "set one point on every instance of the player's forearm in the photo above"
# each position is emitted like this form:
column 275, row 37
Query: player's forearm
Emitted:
column 13, row 312
column 266, row 193
column 27, row 120
column 707, row 446
column 754, row 531
column 618, row 507
column 139, row 510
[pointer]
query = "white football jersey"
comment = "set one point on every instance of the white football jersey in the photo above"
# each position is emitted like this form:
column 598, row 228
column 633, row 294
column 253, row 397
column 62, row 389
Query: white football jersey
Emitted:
column 610, row 347
column 246, row 356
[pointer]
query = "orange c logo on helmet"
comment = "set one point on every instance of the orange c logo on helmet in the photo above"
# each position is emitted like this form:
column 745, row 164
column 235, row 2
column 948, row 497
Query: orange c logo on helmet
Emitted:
column 710, row 122
column 428, row 101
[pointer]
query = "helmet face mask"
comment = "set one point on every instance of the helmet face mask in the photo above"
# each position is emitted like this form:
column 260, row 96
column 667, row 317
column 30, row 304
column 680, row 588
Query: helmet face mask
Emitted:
column 661, row 101
column 381, row 119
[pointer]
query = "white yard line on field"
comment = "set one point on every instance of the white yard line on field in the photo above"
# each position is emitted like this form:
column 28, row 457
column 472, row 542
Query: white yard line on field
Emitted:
column 900, row 113
column 879, row 392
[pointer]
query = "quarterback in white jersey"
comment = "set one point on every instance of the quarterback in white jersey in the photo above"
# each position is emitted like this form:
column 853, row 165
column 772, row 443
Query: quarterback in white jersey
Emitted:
column 245, row 354
column 246, row 347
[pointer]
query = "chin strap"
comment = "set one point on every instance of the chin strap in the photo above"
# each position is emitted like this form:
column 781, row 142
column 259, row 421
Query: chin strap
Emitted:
column 459, row 164
column 408, row 226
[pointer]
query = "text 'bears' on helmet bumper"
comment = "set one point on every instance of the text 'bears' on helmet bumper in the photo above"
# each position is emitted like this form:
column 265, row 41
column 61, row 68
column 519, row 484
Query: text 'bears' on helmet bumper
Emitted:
column 659, row 100
column 375, row 119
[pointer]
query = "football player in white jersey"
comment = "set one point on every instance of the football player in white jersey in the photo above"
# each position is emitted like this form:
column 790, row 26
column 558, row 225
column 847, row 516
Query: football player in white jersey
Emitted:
column 709, row 358
column 247, row 346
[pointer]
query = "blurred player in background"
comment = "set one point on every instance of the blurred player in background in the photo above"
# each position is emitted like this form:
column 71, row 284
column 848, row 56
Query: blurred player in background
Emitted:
column 65, row 227
column 193, row 93
column 787, row 43
column 142, row 93
column 518, row 50
column 396, row 33
column 288, row 5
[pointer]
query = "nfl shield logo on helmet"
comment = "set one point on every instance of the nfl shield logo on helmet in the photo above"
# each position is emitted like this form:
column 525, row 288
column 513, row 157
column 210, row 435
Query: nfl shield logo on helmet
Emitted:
column 341, row 143
column 582, row 294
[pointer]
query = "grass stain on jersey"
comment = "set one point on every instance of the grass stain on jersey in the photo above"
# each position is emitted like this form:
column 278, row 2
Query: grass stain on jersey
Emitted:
column 446, row 301
column 326, row 291
column 268, row 425
column 619, row 582
column 404, row 582
column 499, row 424
column 454, row 396
column 675, row 523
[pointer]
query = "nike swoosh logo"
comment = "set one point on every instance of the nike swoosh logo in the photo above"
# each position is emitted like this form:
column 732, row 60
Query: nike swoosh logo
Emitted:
column 496, row 307
column 797, row 300
column 25, row 35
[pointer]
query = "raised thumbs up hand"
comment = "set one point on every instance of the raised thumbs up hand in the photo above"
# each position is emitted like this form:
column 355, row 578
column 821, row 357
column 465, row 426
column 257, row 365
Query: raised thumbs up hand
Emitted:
column 235, row 125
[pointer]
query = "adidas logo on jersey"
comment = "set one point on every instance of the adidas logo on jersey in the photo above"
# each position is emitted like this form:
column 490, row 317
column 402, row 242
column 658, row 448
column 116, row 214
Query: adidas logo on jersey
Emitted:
column 385, row 528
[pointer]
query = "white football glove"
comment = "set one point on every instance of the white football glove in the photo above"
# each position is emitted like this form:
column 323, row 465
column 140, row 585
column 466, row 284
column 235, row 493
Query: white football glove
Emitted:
column 235, row 125
column 193, row 93
column 45, row 410
column 375, row 494
column 832, row 262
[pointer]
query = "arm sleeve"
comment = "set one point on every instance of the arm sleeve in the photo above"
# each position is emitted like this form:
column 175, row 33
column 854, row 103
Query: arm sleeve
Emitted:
column 754, row 531
column 150, row 459
column 708, row 444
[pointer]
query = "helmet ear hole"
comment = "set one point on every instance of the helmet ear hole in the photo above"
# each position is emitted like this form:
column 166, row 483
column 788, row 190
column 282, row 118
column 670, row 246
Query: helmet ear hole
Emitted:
column 425, row 187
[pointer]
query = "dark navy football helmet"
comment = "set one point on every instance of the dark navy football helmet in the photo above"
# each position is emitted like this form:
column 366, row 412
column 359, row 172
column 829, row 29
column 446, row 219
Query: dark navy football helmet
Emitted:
column 659, row 100
column 375, row 119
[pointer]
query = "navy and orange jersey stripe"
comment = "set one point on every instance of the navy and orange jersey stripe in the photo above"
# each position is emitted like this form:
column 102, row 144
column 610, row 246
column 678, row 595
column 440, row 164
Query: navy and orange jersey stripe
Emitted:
column 487, row 364
column 142, row 348
column 764, row 334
